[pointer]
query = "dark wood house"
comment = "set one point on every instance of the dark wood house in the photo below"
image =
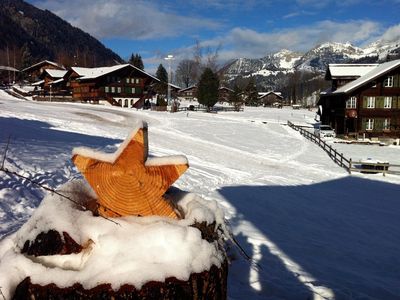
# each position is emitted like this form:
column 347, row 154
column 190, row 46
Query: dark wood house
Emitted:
column 341, row 74
column 189, row 93
column 271, row 98
column 54, row 81
column 34, row 72
column 224, row 94
column 368, row 106
column 122, row 85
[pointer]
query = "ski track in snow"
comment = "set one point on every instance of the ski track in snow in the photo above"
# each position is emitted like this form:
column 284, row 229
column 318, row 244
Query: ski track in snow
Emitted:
column 242, row 160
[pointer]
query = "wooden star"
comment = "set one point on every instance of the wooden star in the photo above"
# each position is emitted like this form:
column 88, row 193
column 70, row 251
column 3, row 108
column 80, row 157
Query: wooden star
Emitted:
column 127, row 182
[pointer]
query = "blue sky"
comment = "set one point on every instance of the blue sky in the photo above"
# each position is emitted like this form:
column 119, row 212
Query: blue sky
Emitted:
column 251, row 28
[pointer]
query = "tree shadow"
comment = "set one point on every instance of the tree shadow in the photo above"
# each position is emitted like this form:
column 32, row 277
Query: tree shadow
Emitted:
column 344, row 233
column 42, row 154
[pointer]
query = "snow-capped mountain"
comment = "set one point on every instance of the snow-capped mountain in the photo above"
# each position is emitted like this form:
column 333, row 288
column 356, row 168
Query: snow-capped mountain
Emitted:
column 319, row 57
column 272, row 70
column 280, row 62
column 315, row 60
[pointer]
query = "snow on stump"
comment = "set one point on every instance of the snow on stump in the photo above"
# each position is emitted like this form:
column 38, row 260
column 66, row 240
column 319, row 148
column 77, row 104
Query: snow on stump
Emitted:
column 128, row 245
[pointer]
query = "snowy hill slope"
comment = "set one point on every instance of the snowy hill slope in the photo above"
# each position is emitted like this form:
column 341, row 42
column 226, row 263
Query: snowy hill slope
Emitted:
column 315, row 231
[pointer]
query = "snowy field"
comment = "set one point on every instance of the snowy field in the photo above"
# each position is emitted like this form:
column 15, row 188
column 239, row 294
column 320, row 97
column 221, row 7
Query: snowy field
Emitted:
column 313, row 231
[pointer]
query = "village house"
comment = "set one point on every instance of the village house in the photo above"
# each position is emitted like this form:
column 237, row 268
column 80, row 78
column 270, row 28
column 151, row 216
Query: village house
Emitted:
column 121, row 85
column 368, row 106
column 34, row 72
column 271, row 99
column 53, row 81
column 341, row 74
column 189, row 93
column 224, row 94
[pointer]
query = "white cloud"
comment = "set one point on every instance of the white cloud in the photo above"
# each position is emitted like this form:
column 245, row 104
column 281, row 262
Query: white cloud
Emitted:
column 242, row 42
column 392, row 33
column 126, row 19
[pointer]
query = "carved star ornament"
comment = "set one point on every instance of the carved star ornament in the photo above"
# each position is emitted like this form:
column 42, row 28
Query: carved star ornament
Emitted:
column 127, row 182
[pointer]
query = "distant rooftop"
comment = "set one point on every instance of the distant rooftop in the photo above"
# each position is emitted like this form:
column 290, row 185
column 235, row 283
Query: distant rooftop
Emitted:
column 335, row 71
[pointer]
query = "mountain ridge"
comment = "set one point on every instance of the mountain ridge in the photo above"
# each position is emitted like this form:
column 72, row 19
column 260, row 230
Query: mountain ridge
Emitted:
column 30, row 34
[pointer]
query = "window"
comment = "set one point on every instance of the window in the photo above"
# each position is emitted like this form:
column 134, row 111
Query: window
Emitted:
column 369, row 124
column 387, row 102
column 127, row 80
column 107, row 89
column 126, row 103
column 373, row 84
column 119, row 89
column 131, row 102
column 388, row 82
column 386, row 124
column 137, row 80
column 370, row 102
column 113, row 89
column 351, row 103
column 133, row 91
column 132, row 80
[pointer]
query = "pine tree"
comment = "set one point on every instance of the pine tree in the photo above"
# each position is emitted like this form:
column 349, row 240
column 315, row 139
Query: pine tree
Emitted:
column 136, row 60
column 251, row 93
column 207, row 90
column 162, row 86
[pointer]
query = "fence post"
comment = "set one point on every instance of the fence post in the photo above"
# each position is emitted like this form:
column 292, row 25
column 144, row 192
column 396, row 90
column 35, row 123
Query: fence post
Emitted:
column 350, row 166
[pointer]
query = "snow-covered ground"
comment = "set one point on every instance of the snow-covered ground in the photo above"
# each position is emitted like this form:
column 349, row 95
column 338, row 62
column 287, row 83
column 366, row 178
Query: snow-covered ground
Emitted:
column 312, row 230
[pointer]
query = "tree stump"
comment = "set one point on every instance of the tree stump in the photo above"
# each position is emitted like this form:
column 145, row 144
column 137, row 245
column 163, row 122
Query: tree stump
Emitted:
column 210, row 284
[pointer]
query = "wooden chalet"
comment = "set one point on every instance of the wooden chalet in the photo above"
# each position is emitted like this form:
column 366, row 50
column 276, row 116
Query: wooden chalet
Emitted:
column 271, row 98
column 121, row 85
column 34, row 72
column 367, row 106
column 54, row 81
column 224, row 94
column 189, row 93
column 341, row 74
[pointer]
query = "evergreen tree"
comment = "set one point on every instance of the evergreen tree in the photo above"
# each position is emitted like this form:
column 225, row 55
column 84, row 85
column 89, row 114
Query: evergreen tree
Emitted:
column 162, row 86
column 235, row 98
column 136, row 60
column 207, row 90
column 251, row 93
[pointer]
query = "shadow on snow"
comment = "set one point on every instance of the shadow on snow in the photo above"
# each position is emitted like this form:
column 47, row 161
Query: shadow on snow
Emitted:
column 345, row 233
column 41, row 153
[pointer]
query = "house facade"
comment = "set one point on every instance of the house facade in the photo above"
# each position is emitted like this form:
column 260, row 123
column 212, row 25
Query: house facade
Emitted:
column 224, row 94
column 367, row 106
column 121, row 85
column 34, row 72
column 189, row 93
column 271, row 98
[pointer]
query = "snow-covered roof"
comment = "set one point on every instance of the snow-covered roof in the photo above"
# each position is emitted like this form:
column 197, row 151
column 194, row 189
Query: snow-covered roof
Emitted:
column 263, row 94
column 57, row 81
column 370, row 76
column 188, row 88
column 225, row 88
column 56, row 73
column 92, row 73
column 44, row 62
column 174, row 86
column 6, row 68
column 349, row 70
column 38, row 83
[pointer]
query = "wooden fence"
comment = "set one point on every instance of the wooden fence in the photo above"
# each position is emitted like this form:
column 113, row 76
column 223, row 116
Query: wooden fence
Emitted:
column 348, row 164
